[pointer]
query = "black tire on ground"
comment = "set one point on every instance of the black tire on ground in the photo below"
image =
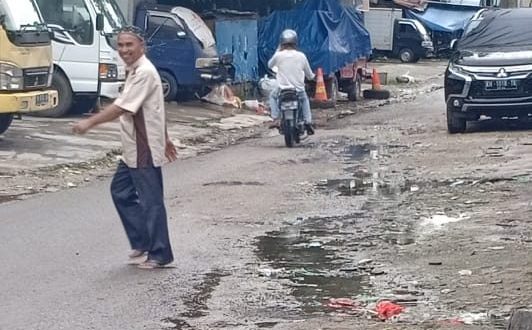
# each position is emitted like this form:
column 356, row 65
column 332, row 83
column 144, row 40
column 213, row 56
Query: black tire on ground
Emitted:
column 455, row 123
column 354, row 90
column 376, row 94
column 170, row 87
column 406, row 55
column 5, row 121
column 64, row 94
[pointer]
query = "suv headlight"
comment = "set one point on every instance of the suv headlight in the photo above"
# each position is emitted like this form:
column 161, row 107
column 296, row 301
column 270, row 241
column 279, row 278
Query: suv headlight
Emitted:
column 11, row 77
column 458, row 70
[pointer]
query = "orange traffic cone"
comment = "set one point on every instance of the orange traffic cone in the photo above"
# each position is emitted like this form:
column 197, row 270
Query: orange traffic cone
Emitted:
column 321, row 92
column 375, row 80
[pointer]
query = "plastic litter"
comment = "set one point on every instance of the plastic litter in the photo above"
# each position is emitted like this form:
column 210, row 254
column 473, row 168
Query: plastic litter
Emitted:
column 387, row 309
column 223, row 95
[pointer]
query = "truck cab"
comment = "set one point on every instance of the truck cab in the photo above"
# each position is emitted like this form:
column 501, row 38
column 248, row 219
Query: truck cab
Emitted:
column 411, row 41
column 86, row 61
column 182, row 48
column 25, row 61
column 391, row 34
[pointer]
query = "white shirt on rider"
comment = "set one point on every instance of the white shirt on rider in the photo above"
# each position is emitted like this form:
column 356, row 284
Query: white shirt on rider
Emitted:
column 292, row 68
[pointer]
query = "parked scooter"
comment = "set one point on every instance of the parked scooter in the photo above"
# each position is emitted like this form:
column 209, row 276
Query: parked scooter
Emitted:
column 292, row 123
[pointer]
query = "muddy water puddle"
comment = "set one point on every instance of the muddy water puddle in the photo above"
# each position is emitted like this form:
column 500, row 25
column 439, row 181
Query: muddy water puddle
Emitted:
column 314, row 256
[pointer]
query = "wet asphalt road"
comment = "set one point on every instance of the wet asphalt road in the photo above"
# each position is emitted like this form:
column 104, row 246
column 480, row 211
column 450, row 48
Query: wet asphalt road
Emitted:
column 241, row 219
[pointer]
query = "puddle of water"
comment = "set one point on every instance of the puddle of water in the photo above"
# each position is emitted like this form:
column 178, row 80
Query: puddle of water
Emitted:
column 196, row 303
column 361, row 186
column 359, row 151
column 312, row 255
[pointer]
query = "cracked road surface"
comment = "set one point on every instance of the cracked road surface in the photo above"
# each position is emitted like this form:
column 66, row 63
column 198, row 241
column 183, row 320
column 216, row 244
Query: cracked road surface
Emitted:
column 381, row 205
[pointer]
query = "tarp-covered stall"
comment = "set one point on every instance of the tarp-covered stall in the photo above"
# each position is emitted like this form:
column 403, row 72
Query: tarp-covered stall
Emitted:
column 445, row 22
column 450, row 19
column 330, row 34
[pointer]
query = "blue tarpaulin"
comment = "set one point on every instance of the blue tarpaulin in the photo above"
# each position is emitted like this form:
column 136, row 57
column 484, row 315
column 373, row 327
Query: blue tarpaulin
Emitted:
column 330, row 34
column 449, row 18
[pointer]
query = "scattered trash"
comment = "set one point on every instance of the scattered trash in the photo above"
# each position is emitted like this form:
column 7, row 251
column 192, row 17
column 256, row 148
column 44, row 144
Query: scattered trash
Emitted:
column 438, row 221
column 405, row 78
column 71, row 185
column 472, row 318
column 314, row 245
column 267, row 85
column 255, row 105
column 342, row 303
column 457, row 183
column 222, row 95
column 414, row 188
column 270, row 272
column 435, row 263
column 496, row 248
column 365, row 261
column 465, row 272
column 386, row 309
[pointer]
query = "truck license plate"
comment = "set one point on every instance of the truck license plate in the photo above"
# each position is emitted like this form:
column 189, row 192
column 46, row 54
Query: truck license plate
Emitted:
column 501, row 85
column 41, row 99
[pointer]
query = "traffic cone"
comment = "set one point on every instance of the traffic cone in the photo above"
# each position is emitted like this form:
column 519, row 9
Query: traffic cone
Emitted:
column 321, row 92
column 375, row 80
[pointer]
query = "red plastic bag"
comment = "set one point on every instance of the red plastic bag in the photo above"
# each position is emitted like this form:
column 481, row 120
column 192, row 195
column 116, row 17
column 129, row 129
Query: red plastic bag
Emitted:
column 387, row 309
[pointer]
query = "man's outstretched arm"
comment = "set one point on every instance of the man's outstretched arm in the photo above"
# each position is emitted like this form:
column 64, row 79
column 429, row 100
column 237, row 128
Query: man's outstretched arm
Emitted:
column 109, row 113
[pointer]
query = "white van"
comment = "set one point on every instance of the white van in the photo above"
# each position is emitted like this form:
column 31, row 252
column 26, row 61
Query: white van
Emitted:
column 86, row 62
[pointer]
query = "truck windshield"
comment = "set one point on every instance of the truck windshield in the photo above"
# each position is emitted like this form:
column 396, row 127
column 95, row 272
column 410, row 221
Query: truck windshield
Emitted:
column 17, row 15
column 114, row 19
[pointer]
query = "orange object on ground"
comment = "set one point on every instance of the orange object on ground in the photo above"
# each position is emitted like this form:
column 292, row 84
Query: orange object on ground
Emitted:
column 321, row 92
column 387, row 309
column 375, row 80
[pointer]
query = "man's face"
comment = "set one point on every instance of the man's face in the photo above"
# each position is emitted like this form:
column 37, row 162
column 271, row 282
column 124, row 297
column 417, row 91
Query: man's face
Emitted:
column 130, row 48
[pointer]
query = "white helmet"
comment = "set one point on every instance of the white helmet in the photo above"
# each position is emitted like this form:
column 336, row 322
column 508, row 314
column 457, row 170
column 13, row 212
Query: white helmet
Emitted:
column 288, row 37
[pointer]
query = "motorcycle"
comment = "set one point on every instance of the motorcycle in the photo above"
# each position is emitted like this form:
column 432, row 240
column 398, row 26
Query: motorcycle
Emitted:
column 292, row 123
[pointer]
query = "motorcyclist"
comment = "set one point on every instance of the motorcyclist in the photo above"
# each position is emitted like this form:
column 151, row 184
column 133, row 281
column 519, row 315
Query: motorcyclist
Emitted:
column 292, row 67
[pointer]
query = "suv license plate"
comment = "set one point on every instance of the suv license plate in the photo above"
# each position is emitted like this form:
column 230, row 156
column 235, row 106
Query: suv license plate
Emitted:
column 41, row 99
column 501, row 85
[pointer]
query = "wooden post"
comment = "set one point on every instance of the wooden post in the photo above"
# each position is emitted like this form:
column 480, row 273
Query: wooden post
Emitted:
column 521, row 319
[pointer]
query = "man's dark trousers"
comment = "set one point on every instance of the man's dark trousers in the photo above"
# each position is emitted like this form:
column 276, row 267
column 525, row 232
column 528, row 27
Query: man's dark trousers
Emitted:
column 139, row 199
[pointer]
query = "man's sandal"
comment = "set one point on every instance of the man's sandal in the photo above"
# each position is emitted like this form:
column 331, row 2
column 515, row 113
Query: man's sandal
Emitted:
column 151, row 264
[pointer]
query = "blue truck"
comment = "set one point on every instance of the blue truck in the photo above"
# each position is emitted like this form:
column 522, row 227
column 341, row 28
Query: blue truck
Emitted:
column 182, row 48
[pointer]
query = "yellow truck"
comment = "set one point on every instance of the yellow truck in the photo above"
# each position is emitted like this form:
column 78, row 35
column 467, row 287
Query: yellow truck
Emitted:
column 25, row 61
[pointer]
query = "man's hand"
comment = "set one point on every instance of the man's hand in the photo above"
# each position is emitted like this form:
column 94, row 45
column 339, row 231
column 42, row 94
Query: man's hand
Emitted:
column 82, row 126
column 170, row 150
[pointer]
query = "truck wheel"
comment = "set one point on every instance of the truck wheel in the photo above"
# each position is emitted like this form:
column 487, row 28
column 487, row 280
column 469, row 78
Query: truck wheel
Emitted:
column 455, row 124
column 5, row 121
column 64, row 93
column 169, row 86
column 354, row 91
column 406, row 55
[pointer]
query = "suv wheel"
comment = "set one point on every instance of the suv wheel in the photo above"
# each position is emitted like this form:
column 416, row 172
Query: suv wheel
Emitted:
column 455, row 123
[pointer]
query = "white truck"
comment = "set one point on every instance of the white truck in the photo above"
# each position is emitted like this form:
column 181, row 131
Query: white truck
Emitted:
column 394, row 35
column 86, row 61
